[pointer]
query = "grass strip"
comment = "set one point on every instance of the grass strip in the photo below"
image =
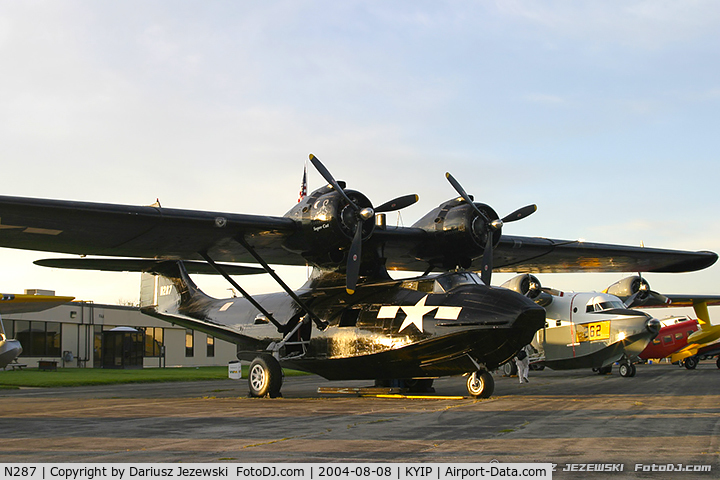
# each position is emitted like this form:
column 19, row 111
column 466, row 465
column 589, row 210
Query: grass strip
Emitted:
column 74, row 377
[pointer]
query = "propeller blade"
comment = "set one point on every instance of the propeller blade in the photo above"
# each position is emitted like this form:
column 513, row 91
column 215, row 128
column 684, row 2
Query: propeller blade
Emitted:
column 397, row 204
column 459, row 189
column 660, row 297
column 352, row 271
column 520, row 213
column 487, row 260
column 631, row 300
column 331, row 180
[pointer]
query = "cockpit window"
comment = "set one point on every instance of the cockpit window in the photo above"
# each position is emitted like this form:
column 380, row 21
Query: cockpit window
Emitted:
column 606, row 305
column 420, row 285
column 446, row 283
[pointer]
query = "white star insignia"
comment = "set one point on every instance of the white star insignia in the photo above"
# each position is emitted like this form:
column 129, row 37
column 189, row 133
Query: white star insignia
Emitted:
column 415, row 314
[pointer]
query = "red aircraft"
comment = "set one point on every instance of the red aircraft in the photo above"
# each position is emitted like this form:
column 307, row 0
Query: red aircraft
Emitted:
column 689, row 340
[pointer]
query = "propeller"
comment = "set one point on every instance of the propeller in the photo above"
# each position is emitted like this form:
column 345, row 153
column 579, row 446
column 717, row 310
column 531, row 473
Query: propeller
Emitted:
column 361, row 215
column 490, row 226
column 643, row 292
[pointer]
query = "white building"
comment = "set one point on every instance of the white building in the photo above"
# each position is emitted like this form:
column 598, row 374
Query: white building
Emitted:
column 86, row 334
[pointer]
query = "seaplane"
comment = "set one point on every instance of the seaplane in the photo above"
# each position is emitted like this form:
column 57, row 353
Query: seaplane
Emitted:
column 351, row 320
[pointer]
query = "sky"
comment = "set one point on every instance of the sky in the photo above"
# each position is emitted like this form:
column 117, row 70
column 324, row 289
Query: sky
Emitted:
column 604, row 114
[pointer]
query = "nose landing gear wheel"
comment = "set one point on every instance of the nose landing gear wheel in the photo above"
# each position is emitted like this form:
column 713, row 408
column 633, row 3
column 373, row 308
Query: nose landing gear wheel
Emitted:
column 265, row 377
column 480, row 384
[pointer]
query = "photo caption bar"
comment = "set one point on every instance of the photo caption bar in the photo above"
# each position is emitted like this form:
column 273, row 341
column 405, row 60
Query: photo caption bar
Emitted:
column 262, row 471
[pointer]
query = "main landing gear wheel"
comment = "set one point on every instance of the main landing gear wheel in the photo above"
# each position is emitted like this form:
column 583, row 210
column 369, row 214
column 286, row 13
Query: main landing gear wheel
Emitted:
column 509, row 369
column 690, row 363
column 603, row 370
column 627, row 370
column 717, row 362
column 265, row 377
column 480, row 384
column 419, row 385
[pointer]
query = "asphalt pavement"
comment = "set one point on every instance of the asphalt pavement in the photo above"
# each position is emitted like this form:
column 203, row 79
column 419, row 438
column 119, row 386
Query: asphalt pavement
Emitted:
column 664, row 415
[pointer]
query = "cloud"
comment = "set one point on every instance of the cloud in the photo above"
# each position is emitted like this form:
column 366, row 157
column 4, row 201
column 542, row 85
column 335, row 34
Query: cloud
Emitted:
column 644, row 24
column 545, row 99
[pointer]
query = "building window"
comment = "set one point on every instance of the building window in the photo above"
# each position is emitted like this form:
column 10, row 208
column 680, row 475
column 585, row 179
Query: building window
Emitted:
column 154, row 341
column 38, row 339
column 189, row 342
column 210, row 346
column 97, row 346
column 9, row 328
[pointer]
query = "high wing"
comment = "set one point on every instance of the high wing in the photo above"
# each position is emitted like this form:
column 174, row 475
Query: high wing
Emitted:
column 19, row 303
column 683, row 300
column 140, row 231
column 85, row 228
column 519, row 254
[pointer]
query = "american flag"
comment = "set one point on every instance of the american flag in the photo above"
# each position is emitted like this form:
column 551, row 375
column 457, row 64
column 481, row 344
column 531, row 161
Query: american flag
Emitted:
column 303, row 186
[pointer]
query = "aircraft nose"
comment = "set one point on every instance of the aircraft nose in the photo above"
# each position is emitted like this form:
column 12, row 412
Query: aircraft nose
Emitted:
column 653, row 325
column 530, row 318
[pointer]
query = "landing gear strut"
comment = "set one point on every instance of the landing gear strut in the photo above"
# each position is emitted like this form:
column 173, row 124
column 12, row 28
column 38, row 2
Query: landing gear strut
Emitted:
column 480, row 384
column 265, row 377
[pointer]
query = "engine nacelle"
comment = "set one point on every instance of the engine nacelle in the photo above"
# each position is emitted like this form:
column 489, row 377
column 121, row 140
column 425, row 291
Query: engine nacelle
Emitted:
column 457, row 234
column 529, row 286
column 629, row 286
column 524, row 284
column 328, row 225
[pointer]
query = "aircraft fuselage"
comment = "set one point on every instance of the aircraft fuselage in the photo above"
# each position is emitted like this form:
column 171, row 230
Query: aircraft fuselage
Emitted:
column 431, row 326
column 592, row 330
column 10, row 349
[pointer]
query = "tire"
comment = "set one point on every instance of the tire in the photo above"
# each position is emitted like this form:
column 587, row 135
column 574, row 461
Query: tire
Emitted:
column 627, row 370
column 691, row 363
column 718, row 362
column 265, row 377
column 480, row 384
column 509, row 369
column 604, row 370
column 420, row 385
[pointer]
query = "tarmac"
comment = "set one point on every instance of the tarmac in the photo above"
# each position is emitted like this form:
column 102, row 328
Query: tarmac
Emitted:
column 664, row 415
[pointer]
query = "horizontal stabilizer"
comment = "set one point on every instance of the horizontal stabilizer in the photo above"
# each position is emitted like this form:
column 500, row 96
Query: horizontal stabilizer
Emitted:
column 222, row 332
column 140, row 265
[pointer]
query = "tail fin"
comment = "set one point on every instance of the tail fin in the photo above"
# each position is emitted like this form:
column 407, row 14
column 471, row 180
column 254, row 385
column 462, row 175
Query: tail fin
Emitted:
column 168, row 293
column 169, row 290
